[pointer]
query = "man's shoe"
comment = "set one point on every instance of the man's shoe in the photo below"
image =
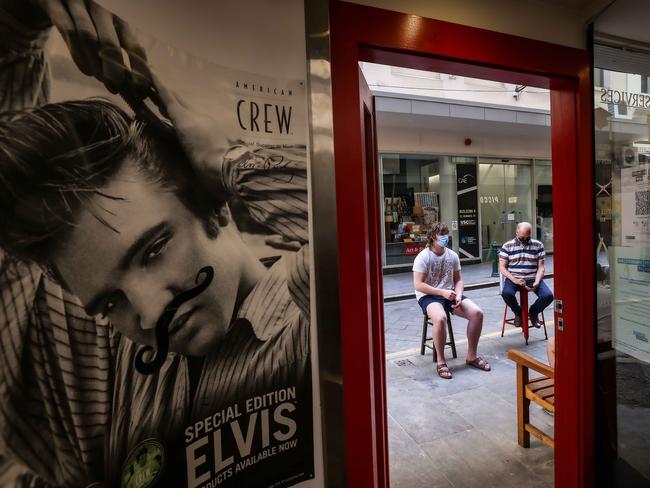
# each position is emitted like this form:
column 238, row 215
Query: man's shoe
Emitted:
column 535, row 322
column 517, row 321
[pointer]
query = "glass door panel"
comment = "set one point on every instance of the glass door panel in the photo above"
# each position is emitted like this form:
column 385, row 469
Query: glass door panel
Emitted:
column 505, row 200
column 544, row 204
column 491, row 194
column 518, row 198
column 622, row 241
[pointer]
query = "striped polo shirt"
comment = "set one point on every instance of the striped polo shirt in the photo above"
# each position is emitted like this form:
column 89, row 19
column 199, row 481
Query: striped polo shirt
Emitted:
column 522, row 260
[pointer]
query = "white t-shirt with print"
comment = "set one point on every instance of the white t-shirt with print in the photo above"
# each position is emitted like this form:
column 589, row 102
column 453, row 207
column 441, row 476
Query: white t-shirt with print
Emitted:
column 439, row 269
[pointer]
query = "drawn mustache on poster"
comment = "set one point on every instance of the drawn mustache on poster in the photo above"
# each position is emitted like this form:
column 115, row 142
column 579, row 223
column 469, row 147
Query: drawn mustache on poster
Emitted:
column 162, row 326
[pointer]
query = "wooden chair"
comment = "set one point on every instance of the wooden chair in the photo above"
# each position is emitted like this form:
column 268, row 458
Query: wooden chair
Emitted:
column 450, row 333
column 540, row 390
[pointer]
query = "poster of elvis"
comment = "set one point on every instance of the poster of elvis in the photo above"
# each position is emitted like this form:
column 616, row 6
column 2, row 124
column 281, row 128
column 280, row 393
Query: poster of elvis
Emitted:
column 154, row 260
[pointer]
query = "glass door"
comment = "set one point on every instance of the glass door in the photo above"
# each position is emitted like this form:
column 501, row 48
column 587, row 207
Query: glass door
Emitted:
column 505, row 199
column 543, row 228
column 622, row 241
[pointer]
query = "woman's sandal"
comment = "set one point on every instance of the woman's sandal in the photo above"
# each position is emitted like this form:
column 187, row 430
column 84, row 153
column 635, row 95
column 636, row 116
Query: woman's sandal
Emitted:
column 443, row 371
column 479, row 363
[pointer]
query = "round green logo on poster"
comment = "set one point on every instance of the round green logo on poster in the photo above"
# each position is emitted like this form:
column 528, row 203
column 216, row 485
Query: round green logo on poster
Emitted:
column 143, row 465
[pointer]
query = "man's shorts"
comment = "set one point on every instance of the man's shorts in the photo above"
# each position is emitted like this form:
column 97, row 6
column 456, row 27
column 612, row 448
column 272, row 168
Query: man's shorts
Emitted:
column 426, row 300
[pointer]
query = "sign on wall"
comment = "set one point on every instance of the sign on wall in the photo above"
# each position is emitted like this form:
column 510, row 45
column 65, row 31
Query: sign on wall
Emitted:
column 630, row 279
column 468, row 226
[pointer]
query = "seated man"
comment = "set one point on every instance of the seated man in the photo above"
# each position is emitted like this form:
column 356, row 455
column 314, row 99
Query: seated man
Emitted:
column 521, row 262
column 439, row 288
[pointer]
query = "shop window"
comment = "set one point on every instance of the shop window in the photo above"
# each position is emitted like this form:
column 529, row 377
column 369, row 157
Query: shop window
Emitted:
column 411, row 186
column 418, row 190
column 505, row 199
column 544, row 204
column 622, row 242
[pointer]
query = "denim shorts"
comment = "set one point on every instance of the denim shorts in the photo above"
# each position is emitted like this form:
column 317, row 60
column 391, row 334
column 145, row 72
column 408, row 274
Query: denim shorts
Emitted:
column 426, row 300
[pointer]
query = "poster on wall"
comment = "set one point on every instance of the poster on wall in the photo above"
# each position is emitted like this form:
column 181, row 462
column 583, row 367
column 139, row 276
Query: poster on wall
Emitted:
column 155, row 323
column 635, row 205
column 468, row 227
column 630, row 282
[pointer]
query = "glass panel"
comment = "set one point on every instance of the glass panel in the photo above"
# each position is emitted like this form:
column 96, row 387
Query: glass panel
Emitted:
column 544, row 204
column 491, row 195
column 411, row 186
column 420, row 189
column 518, row 201
column 622, row 192
column 505, row 200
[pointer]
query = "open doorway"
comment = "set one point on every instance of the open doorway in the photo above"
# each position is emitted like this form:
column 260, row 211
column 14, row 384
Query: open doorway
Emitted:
column 475, row 155
column 405, row 41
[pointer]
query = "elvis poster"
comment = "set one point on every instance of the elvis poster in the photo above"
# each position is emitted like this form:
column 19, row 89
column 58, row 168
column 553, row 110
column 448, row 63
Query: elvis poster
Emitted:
column 154, row 252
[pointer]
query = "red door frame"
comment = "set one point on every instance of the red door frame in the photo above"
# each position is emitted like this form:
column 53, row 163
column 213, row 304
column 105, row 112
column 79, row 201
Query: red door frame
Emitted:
column 360, row 33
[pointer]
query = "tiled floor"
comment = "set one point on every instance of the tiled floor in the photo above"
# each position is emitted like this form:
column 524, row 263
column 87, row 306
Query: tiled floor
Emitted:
column 462, row 432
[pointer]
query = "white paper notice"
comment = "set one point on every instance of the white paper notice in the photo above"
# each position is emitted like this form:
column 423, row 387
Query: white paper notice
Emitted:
column 635, row 202
column 630, row 281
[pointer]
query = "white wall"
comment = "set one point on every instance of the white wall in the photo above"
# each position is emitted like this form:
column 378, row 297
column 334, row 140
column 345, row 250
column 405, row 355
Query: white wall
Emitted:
column 412, row 83
column 409, row 140
column 259, row 36
column 544, row 21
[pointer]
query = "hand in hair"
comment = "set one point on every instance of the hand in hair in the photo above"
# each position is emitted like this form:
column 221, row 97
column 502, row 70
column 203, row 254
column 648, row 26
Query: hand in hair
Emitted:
column 202, row 137
column 96, row 39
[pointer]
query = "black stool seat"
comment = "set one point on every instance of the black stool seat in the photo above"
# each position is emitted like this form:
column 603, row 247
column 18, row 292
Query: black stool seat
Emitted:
column 425, row 339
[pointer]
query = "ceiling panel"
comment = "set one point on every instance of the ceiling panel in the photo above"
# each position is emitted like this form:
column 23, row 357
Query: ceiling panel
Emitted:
column 626, row 19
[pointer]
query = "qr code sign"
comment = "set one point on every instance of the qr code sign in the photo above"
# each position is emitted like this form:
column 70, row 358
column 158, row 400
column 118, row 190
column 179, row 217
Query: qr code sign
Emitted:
column 642, row 199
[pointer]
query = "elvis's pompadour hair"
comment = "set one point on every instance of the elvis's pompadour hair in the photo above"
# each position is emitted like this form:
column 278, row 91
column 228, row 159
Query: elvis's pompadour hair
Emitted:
column 56, row 158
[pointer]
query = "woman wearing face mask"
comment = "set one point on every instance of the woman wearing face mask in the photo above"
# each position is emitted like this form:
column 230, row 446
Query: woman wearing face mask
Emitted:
column 439, row 289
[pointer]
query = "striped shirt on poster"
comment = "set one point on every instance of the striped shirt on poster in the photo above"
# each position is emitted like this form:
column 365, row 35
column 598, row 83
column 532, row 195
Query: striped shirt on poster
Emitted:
column 522, row 260
column 71, row 408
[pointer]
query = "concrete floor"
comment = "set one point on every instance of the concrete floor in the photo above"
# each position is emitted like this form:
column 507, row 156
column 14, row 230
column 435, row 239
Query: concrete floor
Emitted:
column 461, row 432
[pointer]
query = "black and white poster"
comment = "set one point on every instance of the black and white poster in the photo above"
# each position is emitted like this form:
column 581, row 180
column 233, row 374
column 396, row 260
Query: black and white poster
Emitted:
column 468, row 225
column 155, row 326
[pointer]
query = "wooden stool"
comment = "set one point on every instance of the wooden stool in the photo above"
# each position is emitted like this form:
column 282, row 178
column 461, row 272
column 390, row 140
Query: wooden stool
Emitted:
column 523, row 299
column 450, row 333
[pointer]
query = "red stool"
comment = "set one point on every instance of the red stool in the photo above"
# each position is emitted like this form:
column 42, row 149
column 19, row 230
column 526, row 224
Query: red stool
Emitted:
column 523, row 302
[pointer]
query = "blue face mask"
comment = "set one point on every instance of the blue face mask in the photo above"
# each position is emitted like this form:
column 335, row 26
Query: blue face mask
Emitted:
column 443, row 240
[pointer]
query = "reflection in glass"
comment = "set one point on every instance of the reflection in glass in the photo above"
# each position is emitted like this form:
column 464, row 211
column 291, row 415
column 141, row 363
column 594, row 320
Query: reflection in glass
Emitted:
column 622, row 240
column 544, row 204
column 505, row 199
column 411, row 203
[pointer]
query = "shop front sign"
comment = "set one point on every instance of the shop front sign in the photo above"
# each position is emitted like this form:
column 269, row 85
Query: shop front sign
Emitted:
column 413, row 249
column 467, row 196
